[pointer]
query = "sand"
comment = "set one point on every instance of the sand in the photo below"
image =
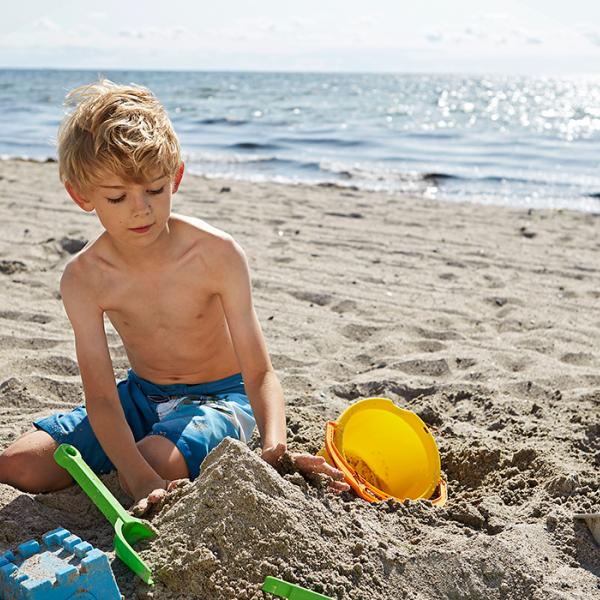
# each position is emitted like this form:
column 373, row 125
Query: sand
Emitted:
column 483, row 320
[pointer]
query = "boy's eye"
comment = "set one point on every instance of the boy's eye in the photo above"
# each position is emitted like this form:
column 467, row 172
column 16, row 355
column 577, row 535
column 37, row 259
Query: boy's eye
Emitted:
column 121, row 198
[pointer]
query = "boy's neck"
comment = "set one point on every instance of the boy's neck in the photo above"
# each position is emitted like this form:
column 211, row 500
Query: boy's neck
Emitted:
column 148, row 256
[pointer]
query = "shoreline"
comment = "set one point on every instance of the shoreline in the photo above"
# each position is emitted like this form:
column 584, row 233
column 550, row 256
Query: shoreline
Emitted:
column 426, row 181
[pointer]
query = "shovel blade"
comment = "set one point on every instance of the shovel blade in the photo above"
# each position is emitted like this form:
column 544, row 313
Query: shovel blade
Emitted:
column 127, row 534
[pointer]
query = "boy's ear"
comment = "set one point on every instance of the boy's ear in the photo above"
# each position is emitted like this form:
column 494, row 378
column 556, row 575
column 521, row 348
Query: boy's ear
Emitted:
column 78, row 198
column 178, row 177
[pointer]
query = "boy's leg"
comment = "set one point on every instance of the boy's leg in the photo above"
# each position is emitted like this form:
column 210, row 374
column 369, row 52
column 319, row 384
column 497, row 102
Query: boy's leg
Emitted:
column 28, row 464
column 164, row 457
column 181, row 440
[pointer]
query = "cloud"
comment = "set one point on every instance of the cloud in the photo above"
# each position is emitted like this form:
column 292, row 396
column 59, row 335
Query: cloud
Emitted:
column 131, row 33
column 434, row 36
column 496, row 33
column 497, row 17
column 527, row 37
column 45, row 24
column 592, row 35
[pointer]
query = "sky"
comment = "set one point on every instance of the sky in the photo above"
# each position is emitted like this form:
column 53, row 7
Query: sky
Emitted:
column 464, row 36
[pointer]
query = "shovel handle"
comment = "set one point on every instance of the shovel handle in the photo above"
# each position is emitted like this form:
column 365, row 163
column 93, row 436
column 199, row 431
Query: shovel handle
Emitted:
column 69, row 458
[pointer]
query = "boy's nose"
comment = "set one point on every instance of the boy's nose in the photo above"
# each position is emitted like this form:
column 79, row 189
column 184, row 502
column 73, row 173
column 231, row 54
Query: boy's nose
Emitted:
column 141, row 204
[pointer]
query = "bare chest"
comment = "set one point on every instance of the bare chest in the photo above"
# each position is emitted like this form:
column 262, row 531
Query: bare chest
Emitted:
column 168, row 305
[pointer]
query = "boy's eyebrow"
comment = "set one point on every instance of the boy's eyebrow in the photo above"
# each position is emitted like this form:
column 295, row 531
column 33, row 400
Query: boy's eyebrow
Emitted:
column 122, row 186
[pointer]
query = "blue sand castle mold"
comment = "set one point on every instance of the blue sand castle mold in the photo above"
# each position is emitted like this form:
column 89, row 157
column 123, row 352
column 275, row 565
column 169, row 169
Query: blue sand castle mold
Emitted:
column 63, row 567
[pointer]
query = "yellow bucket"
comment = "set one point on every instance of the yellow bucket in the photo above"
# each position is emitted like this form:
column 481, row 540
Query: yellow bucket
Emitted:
column 385, row 452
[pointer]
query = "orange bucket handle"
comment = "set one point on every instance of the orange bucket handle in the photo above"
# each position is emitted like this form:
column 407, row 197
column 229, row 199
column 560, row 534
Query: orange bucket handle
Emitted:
column 361, row 486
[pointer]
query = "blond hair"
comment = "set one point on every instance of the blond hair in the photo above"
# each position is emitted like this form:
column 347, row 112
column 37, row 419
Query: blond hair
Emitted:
column 115, row 129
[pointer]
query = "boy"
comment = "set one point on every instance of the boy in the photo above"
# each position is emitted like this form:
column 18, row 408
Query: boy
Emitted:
column 177, row 290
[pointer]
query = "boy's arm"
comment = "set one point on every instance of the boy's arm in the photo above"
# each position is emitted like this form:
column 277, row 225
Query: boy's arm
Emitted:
column 261, row 382
column 102, row 402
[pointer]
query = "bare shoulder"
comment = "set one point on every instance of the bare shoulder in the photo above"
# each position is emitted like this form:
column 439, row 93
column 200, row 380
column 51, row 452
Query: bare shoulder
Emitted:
column 79, row 270
column 213, row 245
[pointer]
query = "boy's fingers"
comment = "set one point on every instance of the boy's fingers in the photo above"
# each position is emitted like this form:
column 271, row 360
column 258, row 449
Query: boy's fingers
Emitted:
column 317, row 464
column 156, row 496
column 339, row 486
column 140, row 508
column 177, row 483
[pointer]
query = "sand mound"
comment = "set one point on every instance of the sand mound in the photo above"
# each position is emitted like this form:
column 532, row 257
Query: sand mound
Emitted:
column 241, row 521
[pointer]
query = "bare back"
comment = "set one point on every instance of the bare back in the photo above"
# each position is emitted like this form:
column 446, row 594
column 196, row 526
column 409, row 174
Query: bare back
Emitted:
column 170, row 319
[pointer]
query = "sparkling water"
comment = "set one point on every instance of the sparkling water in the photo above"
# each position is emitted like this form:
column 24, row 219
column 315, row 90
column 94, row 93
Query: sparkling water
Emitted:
column 514, row 140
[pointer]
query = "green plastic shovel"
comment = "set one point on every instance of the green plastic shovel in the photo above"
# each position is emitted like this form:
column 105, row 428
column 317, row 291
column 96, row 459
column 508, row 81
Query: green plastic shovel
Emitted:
column 283, row 589
column 128, row 529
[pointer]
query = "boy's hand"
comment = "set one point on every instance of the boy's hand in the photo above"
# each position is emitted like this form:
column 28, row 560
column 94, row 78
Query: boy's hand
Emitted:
column 307, row 464
column 154, row 494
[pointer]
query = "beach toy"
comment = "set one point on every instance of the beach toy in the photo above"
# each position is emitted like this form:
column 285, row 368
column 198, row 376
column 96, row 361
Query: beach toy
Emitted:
column 283, row 589
column 61, row 567
column 592, row 520
column 385, row 452
column 128, row 529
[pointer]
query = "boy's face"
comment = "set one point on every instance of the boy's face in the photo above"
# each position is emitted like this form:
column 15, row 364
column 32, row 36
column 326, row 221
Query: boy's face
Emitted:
column 131, row 213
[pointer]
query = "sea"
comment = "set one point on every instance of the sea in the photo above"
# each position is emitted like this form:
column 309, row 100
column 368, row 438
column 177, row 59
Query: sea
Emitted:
column 513, row 140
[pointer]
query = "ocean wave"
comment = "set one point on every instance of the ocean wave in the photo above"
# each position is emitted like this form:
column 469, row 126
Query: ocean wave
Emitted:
column 220, row 121
column 215, row 157
column 336, row 142
column 253, row 146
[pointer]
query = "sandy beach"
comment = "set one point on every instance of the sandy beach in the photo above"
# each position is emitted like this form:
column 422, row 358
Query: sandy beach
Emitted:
column 483, row 320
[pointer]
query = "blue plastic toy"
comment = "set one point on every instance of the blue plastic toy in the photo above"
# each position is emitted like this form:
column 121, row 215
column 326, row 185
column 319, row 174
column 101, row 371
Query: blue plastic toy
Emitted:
column 62, row 567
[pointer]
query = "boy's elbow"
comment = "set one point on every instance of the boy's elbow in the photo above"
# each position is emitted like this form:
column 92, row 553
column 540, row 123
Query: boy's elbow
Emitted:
column 258, row 376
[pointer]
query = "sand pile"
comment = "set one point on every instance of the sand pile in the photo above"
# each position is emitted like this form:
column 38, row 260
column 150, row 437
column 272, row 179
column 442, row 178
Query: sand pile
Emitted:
column 241, row 521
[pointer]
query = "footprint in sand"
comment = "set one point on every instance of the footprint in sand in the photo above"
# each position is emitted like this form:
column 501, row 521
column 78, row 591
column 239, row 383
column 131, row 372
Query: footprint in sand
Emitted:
column 55, row 365
column 381, row 388
column 418, row 366
column 513, row 363
column 72, row 245
column 582, row 359
column 431, row 334
column 312, row 297
column 358, row 333
column 52, row 391
column 30, row 317
column 494, row 282
column 448, row 276
column 465, row 362
column 8, row 342
column 428, row 346
column 344, row 306
column 9, row 267
column 15, row 393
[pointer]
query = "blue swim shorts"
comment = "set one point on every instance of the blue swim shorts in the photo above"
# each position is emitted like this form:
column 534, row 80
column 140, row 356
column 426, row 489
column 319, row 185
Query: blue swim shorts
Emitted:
column 194, row 417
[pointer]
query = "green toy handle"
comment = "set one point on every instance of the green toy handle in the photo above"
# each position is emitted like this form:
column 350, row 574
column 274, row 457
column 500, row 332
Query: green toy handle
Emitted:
column 283, row 589
column 69, row 458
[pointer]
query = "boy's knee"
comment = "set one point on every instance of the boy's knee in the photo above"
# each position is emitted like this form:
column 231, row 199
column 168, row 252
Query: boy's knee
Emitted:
column 15, row 470
column 29, row 466
column 164, row 457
